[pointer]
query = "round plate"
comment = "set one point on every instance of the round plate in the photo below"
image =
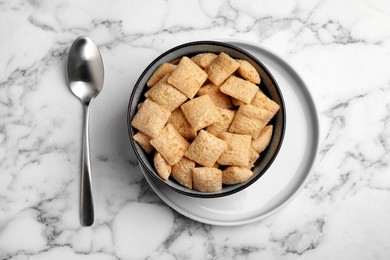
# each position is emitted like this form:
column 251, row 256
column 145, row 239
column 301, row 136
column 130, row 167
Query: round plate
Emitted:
column 286, row 175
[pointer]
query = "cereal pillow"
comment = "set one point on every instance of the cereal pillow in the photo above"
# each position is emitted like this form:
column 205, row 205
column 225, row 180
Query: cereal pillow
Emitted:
column 166, row 95
column 200, row 112
column 162, row 167
column 150, row 118
column 187, row 77
column 160, row 72
column 235, row 175
column 206, row 149
column 207, row 179
column 144, row 141
column 170, row 144
column 221, row 68
column 237, row 151
column 180, row 122
column 182, row 172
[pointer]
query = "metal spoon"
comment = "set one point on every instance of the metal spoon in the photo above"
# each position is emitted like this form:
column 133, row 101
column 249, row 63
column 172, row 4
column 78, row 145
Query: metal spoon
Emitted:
column 85, row 75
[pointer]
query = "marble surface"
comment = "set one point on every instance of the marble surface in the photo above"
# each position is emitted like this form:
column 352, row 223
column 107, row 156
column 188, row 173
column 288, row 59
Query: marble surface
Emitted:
column 340, row 48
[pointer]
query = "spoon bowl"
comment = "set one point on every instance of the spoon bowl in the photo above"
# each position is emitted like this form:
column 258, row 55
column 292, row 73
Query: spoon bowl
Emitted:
column 85, row 76
column 85, row 72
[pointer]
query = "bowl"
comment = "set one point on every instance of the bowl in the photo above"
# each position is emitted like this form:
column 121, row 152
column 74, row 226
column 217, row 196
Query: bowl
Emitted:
column 268, row 85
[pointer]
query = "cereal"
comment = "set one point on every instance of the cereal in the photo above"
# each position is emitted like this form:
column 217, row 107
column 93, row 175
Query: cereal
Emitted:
column 160, row 72
column 240, row 89
column 150, row 118
column 220, row 99
column 207, row 179
column 166, row 95
column 204, row 59
column 180, row 122
column 170, row 144
column 237, row 151
column 253, row 156
column 249, row 120
column 144, row 141
column 200, row 112
column 221, row 68
column 248, row 72
column 261, row 142
column 223, row 123
column 182, row 172
column 195, row 139
column 206, row 149
column 261, row 100
column 162, row 167
column 187, row 77
column 234, row 175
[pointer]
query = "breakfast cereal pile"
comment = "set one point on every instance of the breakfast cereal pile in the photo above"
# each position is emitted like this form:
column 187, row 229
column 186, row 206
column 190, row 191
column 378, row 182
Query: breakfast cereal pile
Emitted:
column 206, row 121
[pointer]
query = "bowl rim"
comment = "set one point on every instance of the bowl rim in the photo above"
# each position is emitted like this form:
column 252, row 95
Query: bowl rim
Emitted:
column 205, row 194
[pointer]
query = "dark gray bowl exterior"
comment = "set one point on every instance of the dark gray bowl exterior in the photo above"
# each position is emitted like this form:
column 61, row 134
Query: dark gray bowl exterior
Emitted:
column 268, row 85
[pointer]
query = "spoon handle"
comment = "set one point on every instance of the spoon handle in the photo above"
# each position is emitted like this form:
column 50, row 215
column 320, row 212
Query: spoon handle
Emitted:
column 86, row 201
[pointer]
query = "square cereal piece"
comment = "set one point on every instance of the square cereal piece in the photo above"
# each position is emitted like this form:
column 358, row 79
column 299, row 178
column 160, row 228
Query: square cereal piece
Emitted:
column 162, row 167
column 261, row 100
column 159, row 73
column 234, row 175
column 250, row 120
column 248, row 72
column 205, row 149
column 200, row 112
column 238, row 148
column 170, row 144
column 221, row 68
column 253, row 156
column 150, row 118
column 207, row 179
column 182, row 172
column 166, row 95
column 204, row 59
column 187, row 77
column 224, row 121
column 240, row 89
column 180, row 122
column 219, row 98
column 260, row 143
column 144, row 141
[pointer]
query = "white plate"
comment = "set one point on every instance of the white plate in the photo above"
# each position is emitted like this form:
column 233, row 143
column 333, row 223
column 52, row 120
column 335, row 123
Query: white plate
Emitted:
column 286, row 175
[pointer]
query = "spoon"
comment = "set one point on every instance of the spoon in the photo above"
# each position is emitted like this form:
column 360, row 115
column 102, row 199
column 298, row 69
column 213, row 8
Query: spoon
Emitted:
column 85, row 76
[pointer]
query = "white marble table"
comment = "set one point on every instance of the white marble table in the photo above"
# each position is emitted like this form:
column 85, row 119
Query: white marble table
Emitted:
column 341, row 49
